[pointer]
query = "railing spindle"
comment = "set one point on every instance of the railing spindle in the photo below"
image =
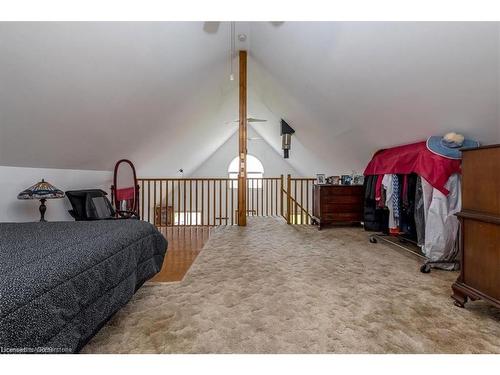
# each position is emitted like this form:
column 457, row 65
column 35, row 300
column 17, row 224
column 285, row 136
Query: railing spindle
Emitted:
column 295, row 197
column 208, row 203
column 268, row 204
column 173, row 203
column 154, row 199
column 232, row 202
column 178, row 202
column 276, row 195
column 281, row 196
column 149, row 203
column 142, row 200
column 307, row 201
column 166, row 204
column 196, row 202
column 202, row 202
column 215, row 207
column 261, row 196
column 184, row 210
column 301, row 201
column 227, row 217
column 220, row 202
column 190, row 202
column 161, row 206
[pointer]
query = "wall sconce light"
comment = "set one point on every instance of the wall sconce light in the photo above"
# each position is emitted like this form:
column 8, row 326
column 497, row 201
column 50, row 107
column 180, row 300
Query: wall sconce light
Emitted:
column 286, row 138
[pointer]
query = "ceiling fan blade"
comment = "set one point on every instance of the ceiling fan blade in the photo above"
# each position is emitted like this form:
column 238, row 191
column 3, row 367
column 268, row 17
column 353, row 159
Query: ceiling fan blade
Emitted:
column 251, row 119
column 211, row 27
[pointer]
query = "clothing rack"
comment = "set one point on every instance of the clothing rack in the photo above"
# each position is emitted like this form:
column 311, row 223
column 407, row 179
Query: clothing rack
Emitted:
column 436, row 171
column 426, row 266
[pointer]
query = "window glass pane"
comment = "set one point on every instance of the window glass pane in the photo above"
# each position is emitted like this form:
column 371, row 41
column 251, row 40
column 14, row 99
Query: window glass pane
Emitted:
column 255, row 169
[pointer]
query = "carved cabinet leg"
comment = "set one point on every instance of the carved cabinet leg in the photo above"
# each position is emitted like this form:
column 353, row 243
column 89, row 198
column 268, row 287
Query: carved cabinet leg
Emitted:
column 459, row 297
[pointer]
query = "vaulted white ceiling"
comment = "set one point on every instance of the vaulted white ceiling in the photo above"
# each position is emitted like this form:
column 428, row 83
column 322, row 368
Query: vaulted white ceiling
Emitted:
column 82, row 95
column 352, row 88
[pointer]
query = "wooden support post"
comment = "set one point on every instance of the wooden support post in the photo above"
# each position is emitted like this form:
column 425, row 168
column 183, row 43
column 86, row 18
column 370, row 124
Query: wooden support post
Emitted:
column 242, row 175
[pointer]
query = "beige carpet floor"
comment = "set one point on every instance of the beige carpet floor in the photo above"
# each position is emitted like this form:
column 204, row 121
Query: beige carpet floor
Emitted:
column 274, row 288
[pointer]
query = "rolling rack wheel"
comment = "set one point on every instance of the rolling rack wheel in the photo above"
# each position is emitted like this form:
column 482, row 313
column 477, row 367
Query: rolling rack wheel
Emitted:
column 401, row 241
column 425, row 268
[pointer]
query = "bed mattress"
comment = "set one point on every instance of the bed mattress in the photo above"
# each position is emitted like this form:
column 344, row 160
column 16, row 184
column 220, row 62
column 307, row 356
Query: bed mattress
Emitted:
column 60, row 282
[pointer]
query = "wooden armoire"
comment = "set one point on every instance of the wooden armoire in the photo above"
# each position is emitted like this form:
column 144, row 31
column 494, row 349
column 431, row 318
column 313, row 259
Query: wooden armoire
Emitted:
column 480, row 227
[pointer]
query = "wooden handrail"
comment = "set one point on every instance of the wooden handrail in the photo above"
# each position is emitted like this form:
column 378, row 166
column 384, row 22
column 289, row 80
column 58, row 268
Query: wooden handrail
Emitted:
column 209, row 179
column 205, row 201
column 292, row 200
column 296, row 206
column 213, row 201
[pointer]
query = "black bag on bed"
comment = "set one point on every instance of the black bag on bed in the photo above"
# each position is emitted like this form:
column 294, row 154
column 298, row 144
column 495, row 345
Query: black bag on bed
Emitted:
column 91, row 204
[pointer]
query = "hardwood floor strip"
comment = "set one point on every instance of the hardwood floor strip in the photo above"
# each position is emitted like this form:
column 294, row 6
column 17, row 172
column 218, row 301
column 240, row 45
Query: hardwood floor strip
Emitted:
column 184, row 245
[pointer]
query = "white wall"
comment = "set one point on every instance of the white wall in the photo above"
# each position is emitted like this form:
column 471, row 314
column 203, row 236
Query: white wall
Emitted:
column 350, row 88
column 13, row 180
column 274, row 164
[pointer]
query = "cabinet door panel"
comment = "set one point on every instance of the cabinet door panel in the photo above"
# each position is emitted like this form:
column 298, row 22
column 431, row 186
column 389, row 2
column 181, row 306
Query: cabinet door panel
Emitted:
column 481, row 257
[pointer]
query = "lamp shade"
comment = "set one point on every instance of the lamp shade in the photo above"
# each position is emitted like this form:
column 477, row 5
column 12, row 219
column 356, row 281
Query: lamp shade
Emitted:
column 41, row 190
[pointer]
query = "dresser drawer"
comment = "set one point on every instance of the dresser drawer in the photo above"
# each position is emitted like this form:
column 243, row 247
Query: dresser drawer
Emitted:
column 481, row 256
column 342, row 217
column 480, row 182
column 342, row 207
column 344, row 199
column 336, row 190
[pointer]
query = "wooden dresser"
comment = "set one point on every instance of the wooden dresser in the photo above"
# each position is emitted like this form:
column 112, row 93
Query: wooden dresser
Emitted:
column 337, row 204
column 480, row 221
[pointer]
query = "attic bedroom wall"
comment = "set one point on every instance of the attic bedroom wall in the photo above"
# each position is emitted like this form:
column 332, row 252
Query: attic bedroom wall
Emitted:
column 13, row 180
column 217, row 164
column 351, row 88
column 82, row 95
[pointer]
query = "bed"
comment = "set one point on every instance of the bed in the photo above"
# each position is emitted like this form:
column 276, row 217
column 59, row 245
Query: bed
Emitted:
column 60, row 282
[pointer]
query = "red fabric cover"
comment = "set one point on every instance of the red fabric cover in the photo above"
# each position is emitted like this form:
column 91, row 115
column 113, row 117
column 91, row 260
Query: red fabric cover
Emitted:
column 414, row 158
column 125, row 194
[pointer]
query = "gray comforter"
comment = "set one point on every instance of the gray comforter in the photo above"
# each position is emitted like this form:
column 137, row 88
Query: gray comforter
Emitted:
column 61, row 281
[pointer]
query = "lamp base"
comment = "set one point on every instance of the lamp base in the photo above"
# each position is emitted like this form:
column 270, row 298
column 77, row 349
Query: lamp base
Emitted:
column 42, row 209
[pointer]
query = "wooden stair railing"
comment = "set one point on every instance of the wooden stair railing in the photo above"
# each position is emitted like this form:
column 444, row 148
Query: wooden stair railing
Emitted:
column 299, row 200
column 206, row 201
column 214, row 201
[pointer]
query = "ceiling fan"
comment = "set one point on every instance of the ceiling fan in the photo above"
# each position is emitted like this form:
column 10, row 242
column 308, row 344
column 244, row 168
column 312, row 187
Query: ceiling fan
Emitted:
column 249, row 119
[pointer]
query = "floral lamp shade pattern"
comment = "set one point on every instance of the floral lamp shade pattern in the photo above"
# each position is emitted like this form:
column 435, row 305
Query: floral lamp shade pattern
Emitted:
column 41, row 190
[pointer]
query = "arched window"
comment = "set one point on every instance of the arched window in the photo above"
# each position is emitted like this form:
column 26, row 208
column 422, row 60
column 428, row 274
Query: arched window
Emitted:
column 255, row 169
